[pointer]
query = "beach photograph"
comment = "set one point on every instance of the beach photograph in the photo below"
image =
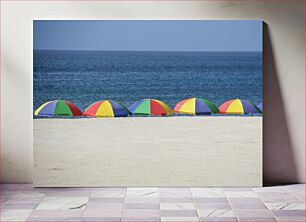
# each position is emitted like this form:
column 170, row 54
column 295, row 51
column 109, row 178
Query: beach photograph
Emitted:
column 147, row 102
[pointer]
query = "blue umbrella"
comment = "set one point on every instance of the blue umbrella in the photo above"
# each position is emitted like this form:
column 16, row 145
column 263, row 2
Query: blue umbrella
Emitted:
column 260, row 106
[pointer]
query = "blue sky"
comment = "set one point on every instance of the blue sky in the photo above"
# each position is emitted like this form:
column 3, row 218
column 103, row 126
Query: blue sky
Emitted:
column 148, row 35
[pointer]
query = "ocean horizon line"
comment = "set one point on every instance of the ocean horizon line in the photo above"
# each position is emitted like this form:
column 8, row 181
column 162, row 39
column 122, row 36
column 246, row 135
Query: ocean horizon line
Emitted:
column 89, row 50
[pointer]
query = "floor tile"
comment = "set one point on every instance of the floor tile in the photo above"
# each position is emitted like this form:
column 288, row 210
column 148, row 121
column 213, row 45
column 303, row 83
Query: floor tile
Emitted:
column 245, row 200
column 144, row 213
column 105, row 200
column 14, row 214
column 91, row 205
column 176, row 200
column 219, row 219
column 279, row 200
column 237, row 189
column 216, row 213
column 207, row 192
column 94, row 189
column 210, row 200
column 109, row 194
column 29, row 187
column 291, row 219
column 142, row 200
column 25, row 200
column 279, row 189
column 142, row 193
column 174, row 189
column 179, row 219
column 289, row 213
column 68, row 193
column 103, row 212
column 3, row 200
column 140, row 219
column 101, row 219
column 213, row 205
column 20, row 206
column 256, row 219
column 273, row 197
column 141, row 206
column 300, row 195
column 25, row 194
column 248, row 206
column 287, row 194
column 7, row 194
column 175, row 192
column 55, row 219
column 240, row 194
column 62, row 203
column 10, row 186
column 285, row 206
column 177, row 206
column 57, row 213
column 253, row 213
column 178, row 213
column 300, row 187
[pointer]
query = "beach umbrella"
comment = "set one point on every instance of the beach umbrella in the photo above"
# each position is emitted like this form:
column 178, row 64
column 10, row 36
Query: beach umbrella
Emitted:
column 150, row 107
column 58, row 108
column 196, row 106
column 238, row 106
column 260, row 106
column 106, row 108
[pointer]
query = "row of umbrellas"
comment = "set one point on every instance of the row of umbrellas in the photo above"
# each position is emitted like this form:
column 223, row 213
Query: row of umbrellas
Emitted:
column 147, row 107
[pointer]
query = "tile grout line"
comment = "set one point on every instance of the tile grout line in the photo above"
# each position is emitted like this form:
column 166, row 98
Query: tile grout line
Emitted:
column 123, row 207
column 5, row 202
column 37, row 204
column 194, row 203
column 158, row 196
column 229, row 203
column 294, row 194
column 91, row 192
column 265, row 205
column 21, row 187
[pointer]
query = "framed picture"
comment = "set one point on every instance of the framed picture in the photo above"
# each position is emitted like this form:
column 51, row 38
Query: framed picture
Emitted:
column 177, row 102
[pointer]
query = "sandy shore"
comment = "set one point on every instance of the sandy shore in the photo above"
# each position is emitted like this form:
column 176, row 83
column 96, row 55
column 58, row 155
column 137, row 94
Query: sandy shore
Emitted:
column 171, row 151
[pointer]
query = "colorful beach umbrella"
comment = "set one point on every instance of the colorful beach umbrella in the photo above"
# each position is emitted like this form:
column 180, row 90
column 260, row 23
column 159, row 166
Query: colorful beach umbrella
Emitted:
column 238, row 106
column 196, row 106
column 150, row 107
column 260, row 106
column 106, row 108
column 58, row 108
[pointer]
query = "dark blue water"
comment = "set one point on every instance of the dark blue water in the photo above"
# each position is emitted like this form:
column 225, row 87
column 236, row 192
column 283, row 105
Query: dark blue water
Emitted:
column 83, row 77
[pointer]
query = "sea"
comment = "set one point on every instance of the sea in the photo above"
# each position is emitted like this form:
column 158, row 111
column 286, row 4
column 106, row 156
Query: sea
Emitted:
column 83, row 77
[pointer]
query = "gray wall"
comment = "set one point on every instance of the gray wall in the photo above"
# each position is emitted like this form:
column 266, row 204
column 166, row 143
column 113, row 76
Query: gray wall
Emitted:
column 284, row 79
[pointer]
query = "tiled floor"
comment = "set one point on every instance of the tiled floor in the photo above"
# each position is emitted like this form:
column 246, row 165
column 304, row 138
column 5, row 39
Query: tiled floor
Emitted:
column 21, row 202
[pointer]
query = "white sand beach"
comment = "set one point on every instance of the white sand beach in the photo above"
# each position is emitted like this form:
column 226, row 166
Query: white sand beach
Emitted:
column 143, row 151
